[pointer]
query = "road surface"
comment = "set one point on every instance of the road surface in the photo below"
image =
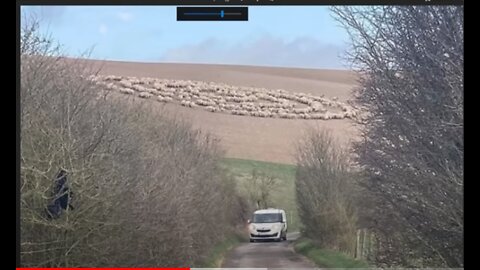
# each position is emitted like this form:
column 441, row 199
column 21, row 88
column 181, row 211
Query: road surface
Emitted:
column 267, row 254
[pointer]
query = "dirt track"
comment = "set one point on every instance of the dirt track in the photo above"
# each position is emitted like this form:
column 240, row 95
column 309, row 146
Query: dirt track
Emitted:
column 267, row 254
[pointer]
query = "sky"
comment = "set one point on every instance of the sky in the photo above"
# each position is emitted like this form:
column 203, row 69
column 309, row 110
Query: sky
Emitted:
column 293, row 36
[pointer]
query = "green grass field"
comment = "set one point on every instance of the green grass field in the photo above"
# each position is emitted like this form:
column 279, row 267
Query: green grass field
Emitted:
column 284, row 193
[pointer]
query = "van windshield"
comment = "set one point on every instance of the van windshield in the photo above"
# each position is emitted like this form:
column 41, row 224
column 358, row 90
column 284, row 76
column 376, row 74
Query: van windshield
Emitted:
column 267, row 218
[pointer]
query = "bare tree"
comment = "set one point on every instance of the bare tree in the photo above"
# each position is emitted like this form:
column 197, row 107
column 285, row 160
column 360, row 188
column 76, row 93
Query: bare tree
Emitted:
column 260, row 187
column 411, row 59
column 325, row 192
column 142, row 179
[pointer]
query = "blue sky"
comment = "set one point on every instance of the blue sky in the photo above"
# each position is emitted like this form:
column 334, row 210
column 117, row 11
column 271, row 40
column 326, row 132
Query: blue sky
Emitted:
column 303, row 36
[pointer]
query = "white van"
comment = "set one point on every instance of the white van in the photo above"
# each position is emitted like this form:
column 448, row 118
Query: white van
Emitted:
column 268, row 224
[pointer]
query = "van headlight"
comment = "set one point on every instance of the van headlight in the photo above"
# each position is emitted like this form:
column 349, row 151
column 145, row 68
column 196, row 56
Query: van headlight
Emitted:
column 252, row 227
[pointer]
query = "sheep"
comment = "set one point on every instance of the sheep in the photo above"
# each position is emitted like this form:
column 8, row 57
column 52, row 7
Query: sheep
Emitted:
column 127, row 91
column 186, row 103
column 316, row 106
column 287, row 96
column 303, row 100
column 231, row 107
column 251, row 98
column 230, row 94
column 161, row 99
column 316, row 116
column 176, row 84
column 116, row 88
column 239, row 112
column 260, row 114
column 151, row 90
column 93, row 78
column 205, row 102
column 238, row 99
column 195, row 92
column 327, row 116
column 322, row 110
column 110, row 86
column 350, row 114
column 126, row 83
column 102, row 83
column 134, row 81
column 291, row 116
column 145, row 95
column 169, row 90
column 249, row 109
column 275, row 110
column 329, row 103
column 142, row 81
column 211, row 109
column 302, row 110
column 272, row 99
column 149, row 80
column 337, row 116
column 112, row 78
column 168, row 94
column 319, row 99
column 232, row 99
column 139, row 88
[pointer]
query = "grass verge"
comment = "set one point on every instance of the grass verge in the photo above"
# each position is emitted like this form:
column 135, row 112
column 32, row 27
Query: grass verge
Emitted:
column 217, row 254
column 326, row 258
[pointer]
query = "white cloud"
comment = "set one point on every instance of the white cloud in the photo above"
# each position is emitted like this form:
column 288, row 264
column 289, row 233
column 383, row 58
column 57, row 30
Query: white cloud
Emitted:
column 103, row 29
column 125, row 16
column 267, row 50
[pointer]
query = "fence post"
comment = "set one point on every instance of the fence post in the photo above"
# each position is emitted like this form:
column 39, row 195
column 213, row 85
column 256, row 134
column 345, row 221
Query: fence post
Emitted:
column 365, row 243
column 357, row 250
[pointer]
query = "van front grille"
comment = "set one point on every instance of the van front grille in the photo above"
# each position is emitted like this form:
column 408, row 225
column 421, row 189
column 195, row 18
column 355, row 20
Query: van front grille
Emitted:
column 264, row 235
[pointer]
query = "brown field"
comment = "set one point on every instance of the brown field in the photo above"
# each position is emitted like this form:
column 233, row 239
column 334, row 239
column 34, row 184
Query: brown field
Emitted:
column 265, row 139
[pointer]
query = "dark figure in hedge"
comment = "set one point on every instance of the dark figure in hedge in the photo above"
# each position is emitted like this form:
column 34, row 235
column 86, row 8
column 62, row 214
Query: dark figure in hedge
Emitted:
column 61, row 196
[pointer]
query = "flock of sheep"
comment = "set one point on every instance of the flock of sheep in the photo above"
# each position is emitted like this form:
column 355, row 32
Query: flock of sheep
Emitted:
column 218, row 97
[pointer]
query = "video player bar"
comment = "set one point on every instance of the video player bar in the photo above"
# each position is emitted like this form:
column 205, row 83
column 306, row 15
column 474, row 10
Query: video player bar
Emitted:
column 320, row 2
column 212, row 14
column 254, row 2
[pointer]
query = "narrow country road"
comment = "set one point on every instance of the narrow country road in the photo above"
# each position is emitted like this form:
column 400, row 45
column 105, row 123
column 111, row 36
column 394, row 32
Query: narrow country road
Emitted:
column 267, row 254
